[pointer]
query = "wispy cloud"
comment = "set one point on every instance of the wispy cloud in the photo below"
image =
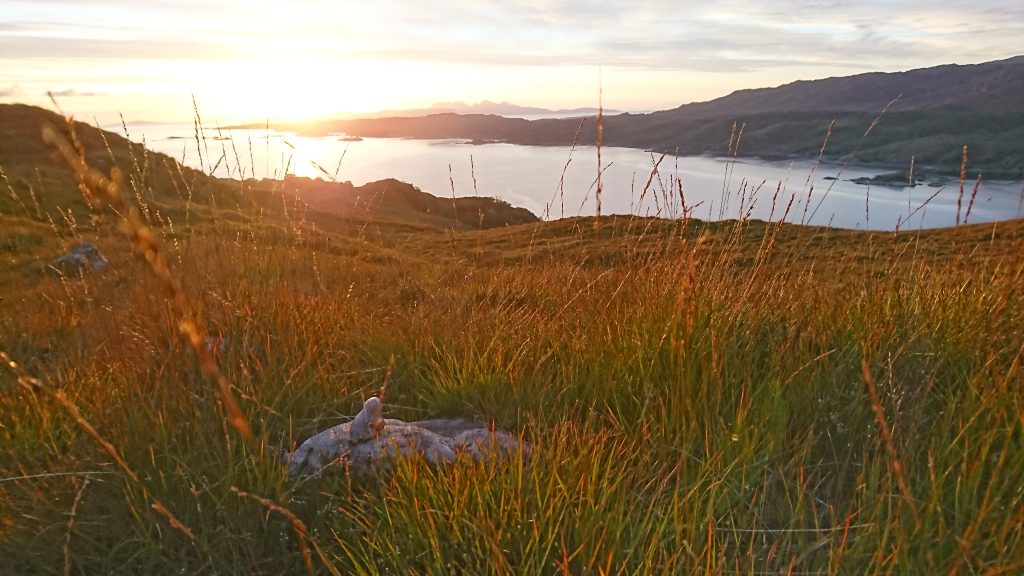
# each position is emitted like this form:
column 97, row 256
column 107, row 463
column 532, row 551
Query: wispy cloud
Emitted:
column 72, row 49
column 11, row 92
column 655, row 33
column 72, row 93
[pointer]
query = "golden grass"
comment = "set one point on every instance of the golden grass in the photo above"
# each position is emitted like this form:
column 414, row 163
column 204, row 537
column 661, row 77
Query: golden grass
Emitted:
column 730, row 397
column 100, row 191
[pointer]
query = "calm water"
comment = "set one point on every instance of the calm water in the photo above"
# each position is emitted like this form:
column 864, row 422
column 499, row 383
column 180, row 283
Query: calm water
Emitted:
column 555, row 181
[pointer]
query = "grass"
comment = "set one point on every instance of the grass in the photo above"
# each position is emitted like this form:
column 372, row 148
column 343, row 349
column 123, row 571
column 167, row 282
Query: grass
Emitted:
column 729, row 397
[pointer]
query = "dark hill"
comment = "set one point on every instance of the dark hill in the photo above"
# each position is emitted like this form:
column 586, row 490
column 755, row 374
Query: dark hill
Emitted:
column 993, row 87
column 393, row 199
column 40, row 183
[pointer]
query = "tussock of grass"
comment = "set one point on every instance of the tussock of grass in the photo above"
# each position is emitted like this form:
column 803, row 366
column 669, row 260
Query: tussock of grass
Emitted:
column 695, row 395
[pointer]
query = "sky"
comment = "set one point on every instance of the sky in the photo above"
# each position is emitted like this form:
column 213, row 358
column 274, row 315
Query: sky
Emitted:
column 245, row 60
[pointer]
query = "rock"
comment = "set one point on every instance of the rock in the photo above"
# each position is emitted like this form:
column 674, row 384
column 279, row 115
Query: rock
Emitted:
column 85, row 256
column 891, row 180
column 368, row 423
column 369, row 442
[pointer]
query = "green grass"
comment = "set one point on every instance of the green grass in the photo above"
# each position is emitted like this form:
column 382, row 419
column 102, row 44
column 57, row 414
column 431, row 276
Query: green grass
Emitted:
column 693, row 395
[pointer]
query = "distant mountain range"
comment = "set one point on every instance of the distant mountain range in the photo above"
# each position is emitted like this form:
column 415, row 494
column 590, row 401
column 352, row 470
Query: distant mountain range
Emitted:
column 485, row 107
column 507, row 109
column 930, row 115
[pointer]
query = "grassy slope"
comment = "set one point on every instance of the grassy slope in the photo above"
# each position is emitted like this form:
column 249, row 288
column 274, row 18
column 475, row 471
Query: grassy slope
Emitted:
column 694, row 395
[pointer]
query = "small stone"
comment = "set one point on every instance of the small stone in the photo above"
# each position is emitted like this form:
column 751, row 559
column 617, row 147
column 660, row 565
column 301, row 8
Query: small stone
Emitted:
column 85, row 256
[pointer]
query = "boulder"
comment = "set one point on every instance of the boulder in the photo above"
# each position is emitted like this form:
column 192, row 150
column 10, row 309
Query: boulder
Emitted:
column 369, row 442
column 85, row 256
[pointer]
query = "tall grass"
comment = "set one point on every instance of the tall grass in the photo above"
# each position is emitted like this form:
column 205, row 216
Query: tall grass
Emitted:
column 731, row 398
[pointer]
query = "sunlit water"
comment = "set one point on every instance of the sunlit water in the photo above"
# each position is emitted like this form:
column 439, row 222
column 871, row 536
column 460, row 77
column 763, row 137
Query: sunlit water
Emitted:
column 555, row 182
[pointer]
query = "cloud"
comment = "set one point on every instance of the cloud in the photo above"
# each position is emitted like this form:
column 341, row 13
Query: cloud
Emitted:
column 73, row 93
column 72, row 49
column 786, row 38
column 730, row 36
column 13, row 91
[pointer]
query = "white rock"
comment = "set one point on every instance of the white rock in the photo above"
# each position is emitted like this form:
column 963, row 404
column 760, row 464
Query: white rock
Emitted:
column 369, row 422
column 369, row 442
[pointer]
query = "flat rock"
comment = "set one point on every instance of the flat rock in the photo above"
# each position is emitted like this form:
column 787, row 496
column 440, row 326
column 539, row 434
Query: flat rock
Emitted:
column 369, row 442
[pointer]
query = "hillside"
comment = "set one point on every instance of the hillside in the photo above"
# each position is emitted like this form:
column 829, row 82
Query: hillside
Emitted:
column 993, row 87
column 395, row 200
column 39, row 184
column 936, row 112
column 698, row 397
column 42, row 188
column 694, row 395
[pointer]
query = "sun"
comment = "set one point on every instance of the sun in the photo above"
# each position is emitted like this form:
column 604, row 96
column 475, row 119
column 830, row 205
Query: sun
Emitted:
column 300, row 87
